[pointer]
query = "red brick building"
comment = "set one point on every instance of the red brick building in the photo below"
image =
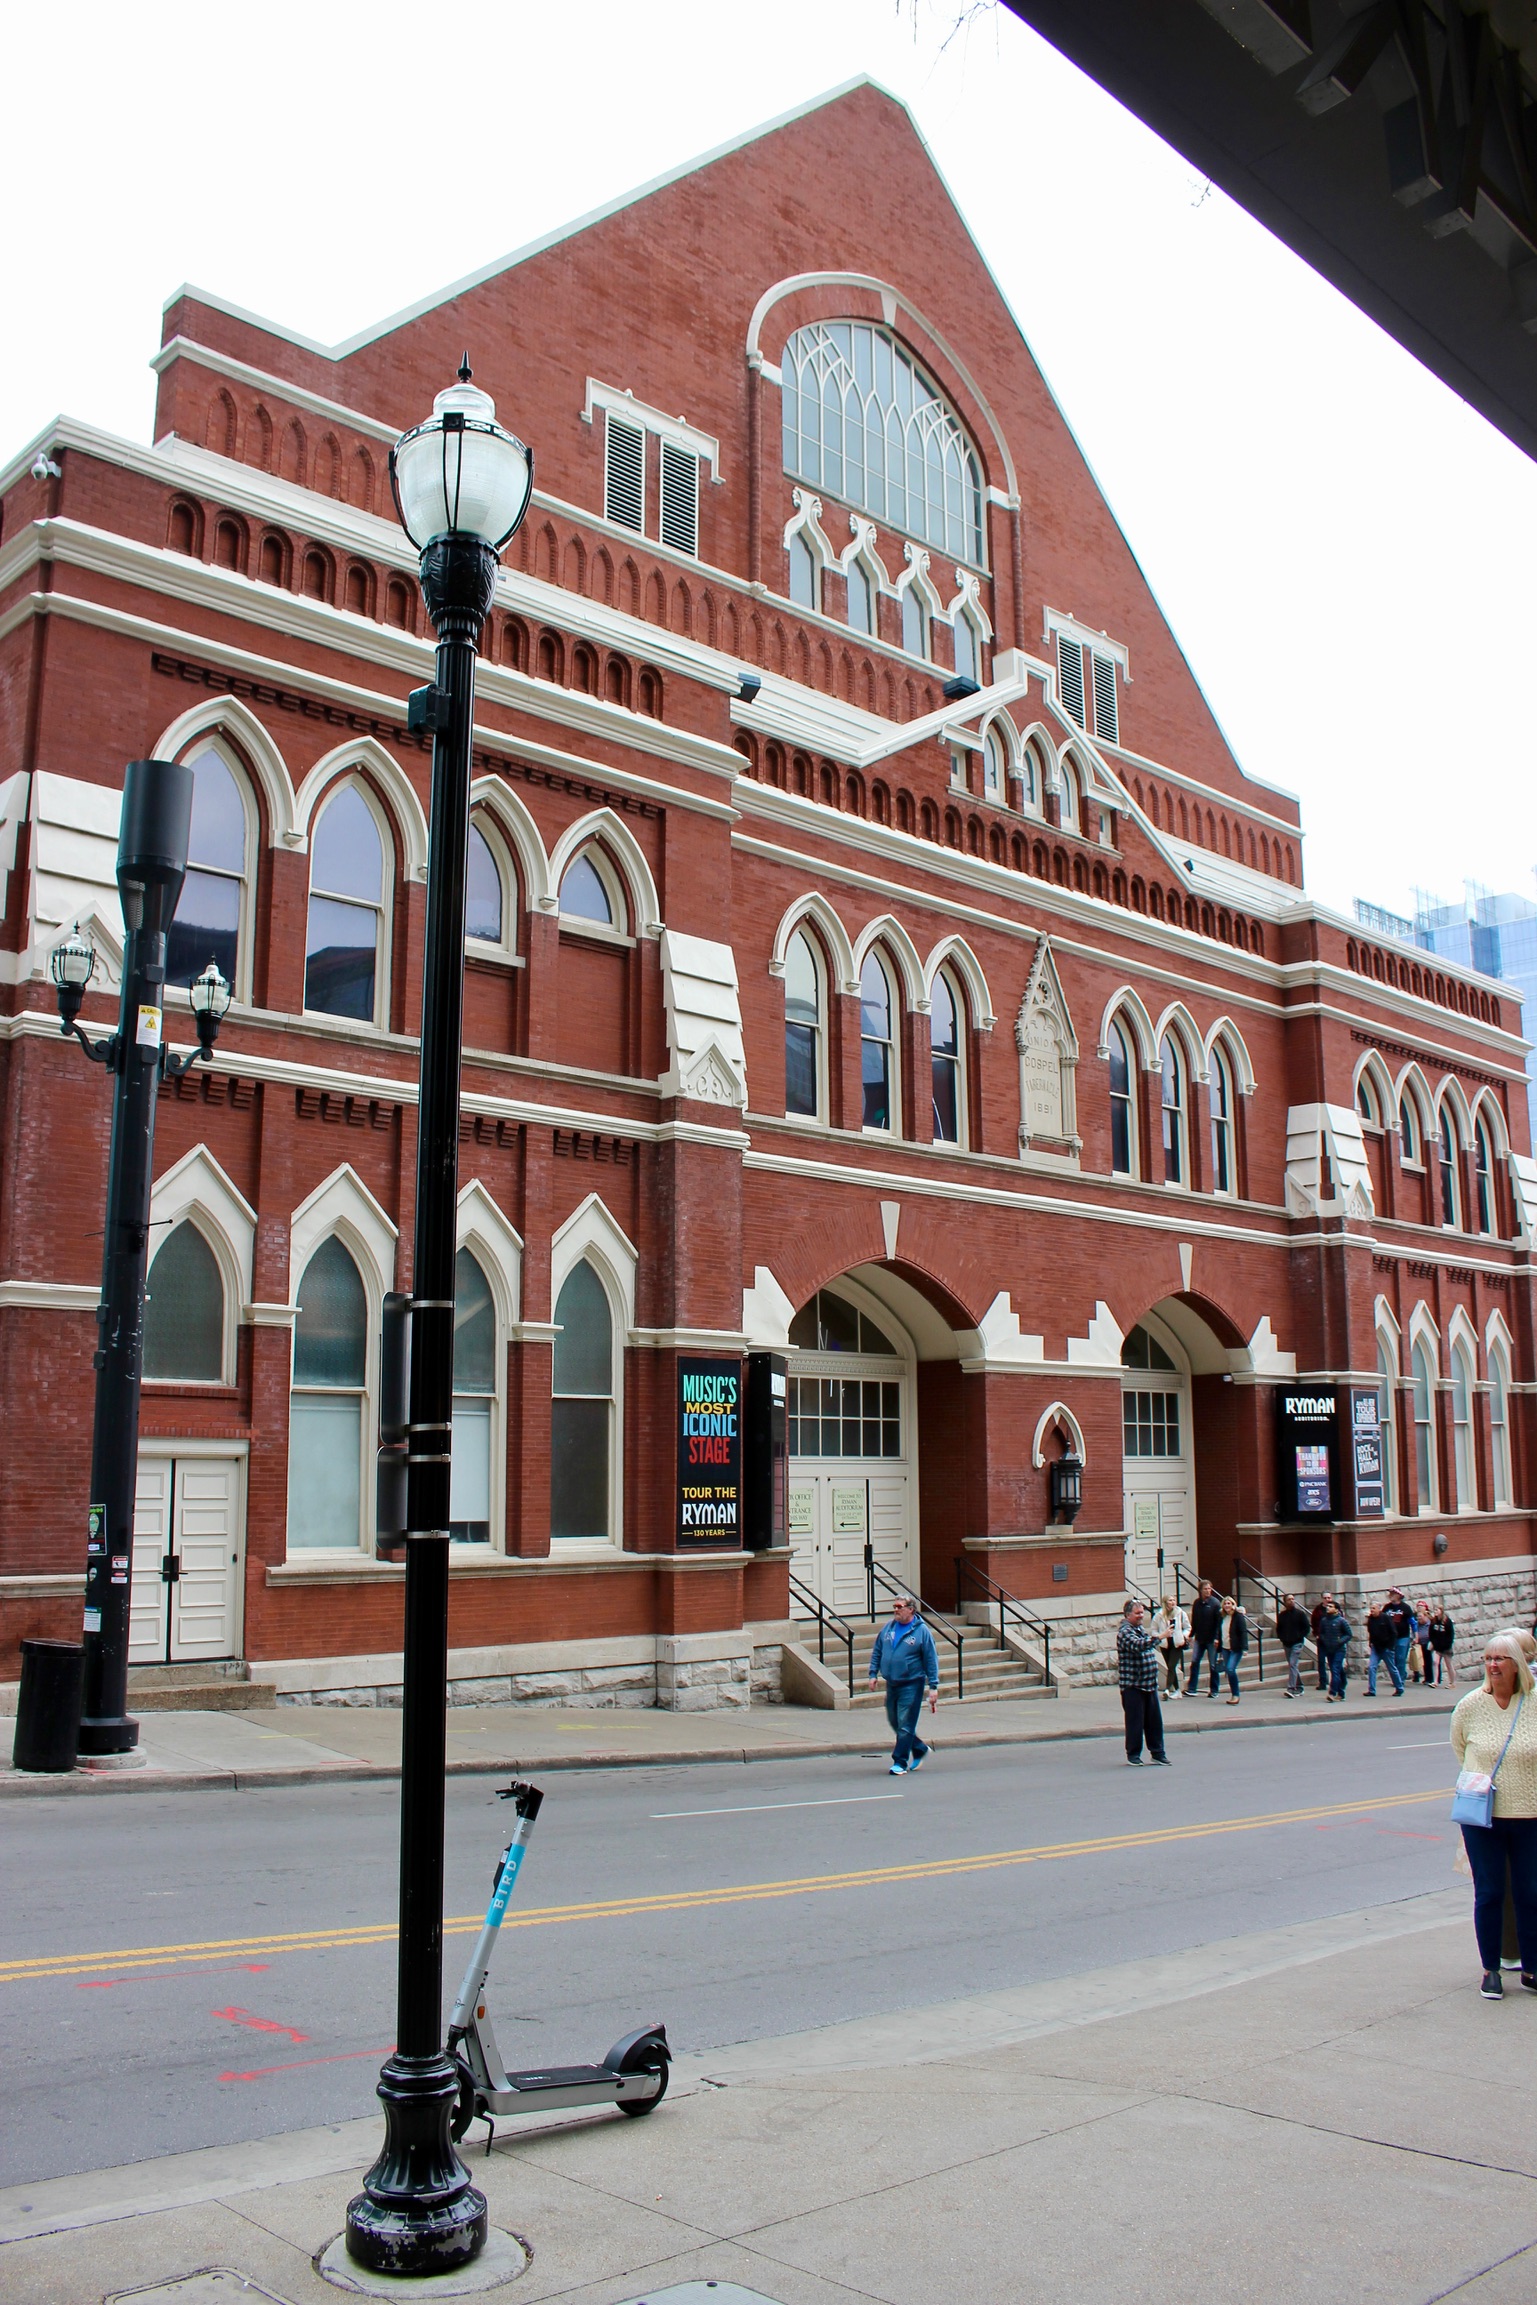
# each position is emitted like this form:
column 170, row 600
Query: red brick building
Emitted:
column 977, row 1044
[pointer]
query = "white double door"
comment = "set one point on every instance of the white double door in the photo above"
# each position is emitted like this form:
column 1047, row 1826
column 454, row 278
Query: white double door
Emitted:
column 188, row 1538
column 834, row 1508
column 1160, row 1518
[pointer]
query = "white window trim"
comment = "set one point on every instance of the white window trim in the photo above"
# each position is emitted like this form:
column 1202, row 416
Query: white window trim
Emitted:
column 591, row 1234
column 344, row 1205
column 506, row 948
column 1134, row 1069
column 1427, row 1503
column 385, row 911
column 180, row 996
column 196, row 1189
column 677, row 429
column 498, row 1250
column 802, row 929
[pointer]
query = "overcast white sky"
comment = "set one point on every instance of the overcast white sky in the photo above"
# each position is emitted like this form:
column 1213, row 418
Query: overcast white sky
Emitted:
column 1344, row 550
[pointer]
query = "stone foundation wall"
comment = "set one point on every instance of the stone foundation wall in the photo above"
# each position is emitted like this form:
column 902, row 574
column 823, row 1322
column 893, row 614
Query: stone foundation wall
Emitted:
column 684, row 1673
column 1083, row 1650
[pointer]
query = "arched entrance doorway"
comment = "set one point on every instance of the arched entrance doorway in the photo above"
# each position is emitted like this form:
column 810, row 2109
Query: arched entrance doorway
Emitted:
column 853, row 1445
column 1157, row 1456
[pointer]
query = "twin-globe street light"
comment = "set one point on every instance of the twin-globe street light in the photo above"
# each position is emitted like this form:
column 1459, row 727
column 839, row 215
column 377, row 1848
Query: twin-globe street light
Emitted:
column 462, row 486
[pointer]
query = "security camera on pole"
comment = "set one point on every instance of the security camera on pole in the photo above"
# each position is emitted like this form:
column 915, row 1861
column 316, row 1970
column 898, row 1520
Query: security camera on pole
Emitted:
column 151, row 865
column 462, row 486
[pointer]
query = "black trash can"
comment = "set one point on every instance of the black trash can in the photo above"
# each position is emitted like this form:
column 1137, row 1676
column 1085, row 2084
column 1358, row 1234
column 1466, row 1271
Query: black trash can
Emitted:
column 48, row 1705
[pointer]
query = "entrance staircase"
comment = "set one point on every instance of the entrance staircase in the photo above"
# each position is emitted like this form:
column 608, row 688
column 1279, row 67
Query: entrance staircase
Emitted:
column 989, row 1671
column 223, row 1686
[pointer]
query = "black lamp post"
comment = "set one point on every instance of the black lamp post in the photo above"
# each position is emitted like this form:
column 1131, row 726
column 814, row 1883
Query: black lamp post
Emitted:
column 151, row 864
column 461, row 486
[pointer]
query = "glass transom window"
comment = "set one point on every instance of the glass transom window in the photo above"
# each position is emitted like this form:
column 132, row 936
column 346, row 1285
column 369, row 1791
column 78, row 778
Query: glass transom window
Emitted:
column 1150, row 1424
column 845, row 1417
column 861, row 421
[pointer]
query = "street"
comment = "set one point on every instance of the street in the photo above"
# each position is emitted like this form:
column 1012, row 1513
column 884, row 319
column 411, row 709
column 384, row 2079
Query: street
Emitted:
column 166, row 2017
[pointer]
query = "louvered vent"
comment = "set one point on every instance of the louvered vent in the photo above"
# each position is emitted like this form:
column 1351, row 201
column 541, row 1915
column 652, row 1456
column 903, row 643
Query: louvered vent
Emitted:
column 624, row 474
column 1106, row 721
column 1070, row 676
column 680, row 499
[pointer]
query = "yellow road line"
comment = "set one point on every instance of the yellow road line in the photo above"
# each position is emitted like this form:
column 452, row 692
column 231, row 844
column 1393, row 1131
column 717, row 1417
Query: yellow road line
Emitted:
column 21, row 1971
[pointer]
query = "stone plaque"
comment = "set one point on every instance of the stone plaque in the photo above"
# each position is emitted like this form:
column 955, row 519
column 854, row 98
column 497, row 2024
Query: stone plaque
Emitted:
column 1040, row 1070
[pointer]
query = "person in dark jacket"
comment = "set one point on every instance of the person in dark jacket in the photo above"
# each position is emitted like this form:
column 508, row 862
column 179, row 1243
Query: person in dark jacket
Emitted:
column 1382, row 1647
column 1443, row 1634
column 1335, row 1634
column 1235, row 1642
column 1318, row 1618
column 1136, row 1668
column 904, row 1653
column 1205, row 1636
column 1292, row 1627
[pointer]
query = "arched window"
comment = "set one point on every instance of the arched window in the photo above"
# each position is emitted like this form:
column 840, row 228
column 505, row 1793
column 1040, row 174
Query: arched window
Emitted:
column 1067, row 799
column 588, row 893
column 877, row 1049
column 343, row 972
column 1448, row 1164
column 325, row 1410
column 1408, row 1132
column 475, row 1389
column 861, row 597
column 864, row 423
column 995, row 766
column 582, row 1411
column 184, row 1312
column 1366, row 1102
column 1123, row 1118
column 1499, row 1427
column 915, row 623
column 1220, row 1089
column 803, row 1028
column 485, row 897
column 1462, row 1430
column 1483, row 1177
column 1387, row 1416
column 212, row 904
column 1424, row 1428
column 1032, row 781
column 946, row 1039
column 968, row 648
column 805, row 574
column 1175, row 1157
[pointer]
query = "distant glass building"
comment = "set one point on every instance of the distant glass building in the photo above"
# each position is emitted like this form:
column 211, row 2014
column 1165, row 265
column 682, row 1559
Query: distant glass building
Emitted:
column 1495, row 934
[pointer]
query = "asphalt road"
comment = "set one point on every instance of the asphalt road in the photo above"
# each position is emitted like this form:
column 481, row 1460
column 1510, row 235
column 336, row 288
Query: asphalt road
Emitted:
column 159, row 2025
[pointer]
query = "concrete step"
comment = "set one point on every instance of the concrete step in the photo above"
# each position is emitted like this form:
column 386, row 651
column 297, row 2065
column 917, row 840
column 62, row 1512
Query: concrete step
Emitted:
column 198, row 1689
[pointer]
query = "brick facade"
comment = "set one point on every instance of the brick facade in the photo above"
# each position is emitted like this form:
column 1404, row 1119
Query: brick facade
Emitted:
column 244, row 583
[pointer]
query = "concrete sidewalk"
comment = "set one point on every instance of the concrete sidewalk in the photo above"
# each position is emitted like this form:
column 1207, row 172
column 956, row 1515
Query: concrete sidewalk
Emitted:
column 1322, row 2111
column 303, row 1744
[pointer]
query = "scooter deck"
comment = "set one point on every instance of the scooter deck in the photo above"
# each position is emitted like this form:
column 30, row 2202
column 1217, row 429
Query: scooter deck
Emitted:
column 562, row 2077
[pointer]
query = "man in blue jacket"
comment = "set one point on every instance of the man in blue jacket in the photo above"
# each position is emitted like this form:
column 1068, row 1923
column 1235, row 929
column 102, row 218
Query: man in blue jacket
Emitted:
column 904, row 1653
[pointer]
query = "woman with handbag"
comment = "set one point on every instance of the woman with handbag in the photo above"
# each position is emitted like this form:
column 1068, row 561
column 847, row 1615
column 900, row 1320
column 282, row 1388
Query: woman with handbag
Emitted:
column 1235, row 1641
column 1494, row 1736
column 1171, row 1630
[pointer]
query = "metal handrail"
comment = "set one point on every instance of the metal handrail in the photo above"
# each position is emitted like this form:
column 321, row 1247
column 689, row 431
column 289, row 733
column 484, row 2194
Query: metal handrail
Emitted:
column 1267, row 1585
column 1007, row 1607
column 875, row 1574
column 828, row 1621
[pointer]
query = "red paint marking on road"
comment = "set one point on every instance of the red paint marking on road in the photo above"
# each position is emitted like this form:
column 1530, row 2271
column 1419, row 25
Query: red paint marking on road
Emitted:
column 265, row 2072
column 256, row 2024
column 105, row 1984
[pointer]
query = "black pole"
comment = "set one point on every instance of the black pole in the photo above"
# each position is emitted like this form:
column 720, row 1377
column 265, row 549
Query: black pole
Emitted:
column 418, row 2212
column 151, row 864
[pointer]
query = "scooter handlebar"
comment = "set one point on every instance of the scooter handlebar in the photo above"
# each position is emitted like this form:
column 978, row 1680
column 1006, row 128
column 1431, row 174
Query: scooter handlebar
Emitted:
column 527, row 1799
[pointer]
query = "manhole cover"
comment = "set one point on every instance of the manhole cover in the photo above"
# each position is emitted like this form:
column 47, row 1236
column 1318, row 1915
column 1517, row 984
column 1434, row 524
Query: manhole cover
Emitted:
column 215, row 2285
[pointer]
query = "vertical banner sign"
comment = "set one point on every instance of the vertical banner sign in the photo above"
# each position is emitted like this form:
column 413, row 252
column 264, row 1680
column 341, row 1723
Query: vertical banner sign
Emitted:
column 1307, row 1434
column 1367, row 1442
column 709, row 1452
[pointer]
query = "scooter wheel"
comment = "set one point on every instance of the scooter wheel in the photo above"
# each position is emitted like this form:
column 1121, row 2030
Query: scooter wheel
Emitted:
column 465, row 2107
column 639, row 2106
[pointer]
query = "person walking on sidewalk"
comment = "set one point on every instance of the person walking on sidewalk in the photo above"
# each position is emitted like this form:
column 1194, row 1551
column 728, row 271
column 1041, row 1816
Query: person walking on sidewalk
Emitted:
column 1235, row 1642
column 1443, row 1635
column 1335, row 1634
column 905, row 1656
column 1401, row 1617
column 1419, row 1647
column 1317, row 1620
column 1510, row 1935
column 1291, row 1630
column 1205, row 1636
column 1136, row 1667
column 1381, row 1648
column 1171, row 1631
column 1494, row 1733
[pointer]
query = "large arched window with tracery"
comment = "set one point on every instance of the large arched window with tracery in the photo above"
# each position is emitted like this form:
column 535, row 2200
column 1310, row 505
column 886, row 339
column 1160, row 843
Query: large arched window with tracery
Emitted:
column 326, row 1406
column 344, row 948
column 211, row 912
column 862, row 421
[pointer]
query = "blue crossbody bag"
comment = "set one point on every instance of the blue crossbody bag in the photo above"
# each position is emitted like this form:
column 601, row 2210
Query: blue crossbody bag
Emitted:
column 1473, row 1802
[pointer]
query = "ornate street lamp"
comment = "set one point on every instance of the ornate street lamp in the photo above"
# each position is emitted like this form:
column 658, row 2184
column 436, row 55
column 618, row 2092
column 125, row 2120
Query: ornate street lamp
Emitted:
column 151, row 865
column 462, row 485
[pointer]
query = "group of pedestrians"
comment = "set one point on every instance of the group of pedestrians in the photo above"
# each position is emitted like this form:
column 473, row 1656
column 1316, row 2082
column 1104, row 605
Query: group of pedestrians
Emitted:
column 1406, row 1643
column 1215, row 1632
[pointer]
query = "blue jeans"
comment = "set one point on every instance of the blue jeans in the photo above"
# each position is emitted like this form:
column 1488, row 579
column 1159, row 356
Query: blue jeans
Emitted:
column 1231, row 1660
column 1401, row 1658
column 1388, row 1660
column 1198, row 1650
column 1294, row 1668
column 904, row 1703
column 1337, row 1673
column 1508, row 1841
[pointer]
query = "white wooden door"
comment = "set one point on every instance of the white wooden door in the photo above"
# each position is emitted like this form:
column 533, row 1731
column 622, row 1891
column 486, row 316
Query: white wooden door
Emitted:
column 187, row 1518
column 149, row 1593
column 1160, row 1499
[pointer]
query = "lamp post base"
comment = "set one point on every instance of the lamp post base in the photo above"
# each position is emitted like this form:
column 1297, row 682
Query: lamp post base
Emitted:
column 103, row 1736
column 418, row 2212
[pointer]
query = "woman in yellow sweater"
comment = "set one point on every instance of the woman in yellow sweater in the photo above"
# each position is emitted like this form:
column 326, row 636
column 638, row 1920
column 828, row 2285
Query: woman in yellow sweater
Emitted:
column 1503, row 1709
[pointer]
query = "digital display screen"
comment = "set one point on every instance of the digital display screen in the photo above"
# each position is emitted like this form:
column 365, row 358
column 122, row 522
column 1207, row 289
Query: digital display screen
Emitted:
column 1313, row 1477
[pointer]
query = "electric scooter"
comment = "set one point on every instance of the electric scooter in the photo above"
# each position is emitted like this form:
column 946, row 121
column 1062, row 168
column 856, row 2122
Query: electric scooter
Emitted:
column 632, row 2076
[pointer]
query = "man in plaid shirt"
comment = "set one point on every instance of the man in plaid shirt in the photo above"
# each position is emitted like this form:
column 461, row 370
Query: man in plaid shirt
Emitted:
column 1136, row 1664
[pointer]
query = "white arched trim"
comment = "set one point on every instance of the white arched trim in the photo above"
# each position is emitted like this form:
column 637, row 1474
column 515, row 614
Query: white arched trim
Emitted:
column 601, row 828
column 1225, row 1035
column 498, row 1250
column 226, row 716
column 1385, row 1322
column 1486, row 1108
column 893, row 304
column 1128, row 1005
column 1177, row 1019
column 344, row 1205
column 863, row 550
column 1008, row 736
column 197, row 1192
column 956, row 953
column 1498, row 1339
column 1460, row 1331
column 1039, row 735
column 915, row 577
column 1058, row 1414
column 367, row 756
column 590, row 1233
column 835, row 936
column 1372, row 1068
column 806, row 523
column 1413, row 1087
column 1453, row 1098
column 968, row 603
column 496, row 796
column 888, row 932
column 1423, row 1331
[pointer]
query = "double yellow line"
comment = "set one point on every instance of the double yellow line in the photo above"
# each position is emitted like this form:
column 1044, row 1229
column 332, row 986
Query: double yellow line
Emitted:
column 335, row 1940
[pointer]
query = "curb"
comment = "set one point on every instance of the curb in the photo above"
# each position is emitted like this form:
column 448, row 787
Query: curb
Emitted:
column 29, row 1787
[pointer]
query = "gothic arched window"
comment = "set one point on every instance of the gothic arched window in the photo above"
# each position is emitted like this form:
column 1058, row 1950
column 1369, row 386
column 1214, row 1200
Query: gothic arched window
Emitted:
column 325, row 1410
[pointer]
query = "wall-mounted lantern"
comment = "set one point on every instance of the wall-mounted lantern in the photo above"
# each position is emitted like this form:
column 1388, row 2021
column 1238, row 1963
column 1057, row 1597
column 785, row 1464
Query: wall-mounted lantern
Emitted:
column 1067, row 1486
